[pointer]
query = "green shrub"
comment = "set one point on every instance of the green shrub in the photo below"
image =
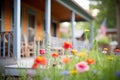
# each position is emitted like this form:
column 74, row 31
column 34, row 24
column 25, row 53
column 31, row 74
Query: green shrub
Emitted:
column 103, row 40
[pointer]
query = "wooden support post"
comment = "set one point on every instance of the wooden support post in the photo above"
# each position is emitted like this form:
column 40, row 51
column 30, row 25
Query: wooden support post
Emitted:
column 17, row 30
column 73, row 26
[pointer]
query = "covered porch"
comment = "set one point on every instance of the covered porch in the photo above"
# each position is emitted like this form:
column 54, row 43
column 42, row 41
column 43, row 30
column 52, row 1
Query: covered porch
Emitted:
column 49, row 13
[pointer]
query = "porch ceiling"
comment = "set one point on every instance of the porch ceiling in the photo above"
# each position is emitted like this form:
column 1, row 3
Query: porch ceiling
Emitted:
column 57, row 10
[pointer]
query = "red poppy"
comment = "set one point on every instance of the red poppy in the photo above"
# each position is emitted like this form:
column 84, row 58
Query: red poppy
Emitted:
column 55, row 55
column 90, row 61
column 67, row 45
column 35, row 65
column 40, row 60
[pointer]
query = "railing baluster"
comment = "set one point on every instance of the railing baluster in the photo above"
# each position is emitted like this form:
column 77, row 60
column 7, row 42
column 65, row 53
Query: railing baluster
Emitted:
column 35, row 47
column 9, row 36
column 38, row 47
column 0, row 46
column 4, row 45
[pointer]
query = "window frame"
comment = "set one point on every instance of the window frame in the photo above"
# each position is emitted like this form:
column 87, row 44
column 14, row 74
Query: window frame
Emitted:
column 32, row 12
column 2, row 15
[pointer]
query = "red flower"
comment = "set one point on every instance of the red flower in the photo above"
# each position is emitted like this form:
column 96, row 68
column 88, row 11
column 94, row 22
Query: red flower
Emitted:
column 35, row 65
column 40, row 60
column 90, row 61
column 117, row 50
column 42, row 51
column 67, row 45
column 55, row 55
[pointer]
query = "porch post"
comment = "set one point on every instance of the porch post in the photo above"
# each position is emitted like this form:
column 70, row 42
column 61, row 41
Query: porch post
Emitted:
column 47, row 22
column 72, row 26
column 17, row 30
column 91, row 33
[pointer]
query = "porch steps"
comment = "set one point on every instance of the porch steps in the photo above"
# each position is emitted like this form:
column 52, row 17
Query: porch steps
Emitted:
column 21, row 66
column 7, row 61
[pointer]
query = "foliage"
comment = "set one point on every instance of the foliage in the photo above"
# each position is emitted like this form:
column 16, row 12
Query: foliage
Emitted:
column 1, row 72
column 107, row 10
column 81, row 25
column 73, row 65
column 103, row 40
column 64, row 36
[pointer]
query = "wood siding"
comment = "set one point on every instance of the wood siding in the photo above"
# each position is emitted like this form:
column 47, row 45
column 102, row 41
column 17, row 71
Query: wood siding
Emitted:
column 39, row 19
column 7, row 16
column 24, row 21
column 38, row 15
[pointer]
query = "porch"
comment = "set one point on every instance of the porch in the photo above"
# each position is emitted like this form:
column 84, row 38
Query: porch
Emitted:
column 31, row 50
column 27, row 49
column 8, row 62
column 13, row 50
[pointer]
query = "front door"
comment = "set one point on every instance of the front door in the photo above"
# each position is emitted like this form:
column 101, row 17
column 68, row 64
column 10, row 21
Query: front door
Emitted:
column 31, row 27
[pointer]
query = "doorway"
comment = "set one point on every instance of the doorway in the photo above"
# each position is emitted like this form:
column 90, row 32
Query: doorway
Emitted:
column 31, row 26
column 54, row 29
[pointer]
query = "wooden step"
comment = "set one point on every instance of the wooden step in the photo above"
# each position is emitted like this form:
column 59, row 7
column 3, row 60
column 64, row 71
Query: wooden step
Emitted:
column 22, row 65
column 7, row 61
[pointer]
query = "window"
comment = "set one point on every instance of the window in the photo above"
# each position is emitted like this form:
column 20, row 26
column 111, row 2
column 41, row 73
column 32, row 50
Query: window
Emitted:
column 54, row 28
column 31, row 26
column 1, row 17
column 44, row 28
column 1, row 14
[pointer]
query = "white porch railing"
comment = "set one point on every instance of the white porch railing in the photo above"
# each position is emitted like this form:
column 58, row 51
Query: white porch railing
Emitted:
column 57, row 43
column 6, row 44
column 79, row 45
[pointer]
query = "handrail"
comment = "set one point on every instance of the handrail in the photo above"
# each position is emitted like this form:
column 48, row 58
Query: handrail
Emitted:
column 6, row 44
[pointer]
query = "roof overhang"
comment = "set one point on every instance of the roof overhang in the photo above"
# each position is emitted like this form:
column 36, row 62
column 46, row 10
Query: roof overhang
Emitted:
column 61, row 9
column 73, row 6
